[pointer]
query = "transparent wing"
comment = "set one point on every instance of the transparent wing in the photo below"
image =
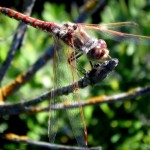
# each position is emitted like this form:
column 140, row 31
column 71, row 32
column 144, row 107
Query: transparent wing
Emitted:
column 75, row 115
column 53, row 114
column 52, row 122
column 76, row 119
column 120, row 32
column 64, row 74
column 59, row 80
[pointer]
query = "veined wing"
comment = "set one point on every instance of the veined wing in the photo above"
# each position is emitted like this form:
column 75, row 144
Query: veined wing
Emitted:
column 53, row 114
column 75, row 115
column 117, row 31
column 64, row 74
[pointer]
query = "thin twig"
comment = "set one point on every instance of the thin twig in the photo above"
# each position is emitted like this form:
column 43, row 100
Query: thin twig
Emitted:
column 97, row 74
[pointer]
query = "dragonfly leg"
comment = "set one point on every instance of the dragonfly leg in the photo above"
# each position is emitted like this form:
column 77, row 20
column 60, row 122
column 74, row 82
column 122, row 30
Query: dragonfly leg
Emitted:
column 74, row 57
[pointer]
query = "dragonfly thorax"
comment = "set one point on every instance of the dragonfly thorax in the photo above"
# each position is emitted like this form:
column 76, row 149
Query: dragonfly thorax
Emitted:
column 76, row 37
column 99, row 52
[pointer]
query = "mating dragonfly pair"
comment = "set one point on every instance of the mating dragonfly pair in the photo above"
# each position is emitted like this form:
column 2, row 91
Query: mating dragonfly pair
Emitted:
column 79, row 42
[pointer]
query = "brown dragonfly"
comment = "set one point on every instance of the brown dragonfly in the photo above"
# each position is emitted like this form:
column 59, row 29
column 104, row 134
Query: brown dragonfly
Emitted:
column 79, row 43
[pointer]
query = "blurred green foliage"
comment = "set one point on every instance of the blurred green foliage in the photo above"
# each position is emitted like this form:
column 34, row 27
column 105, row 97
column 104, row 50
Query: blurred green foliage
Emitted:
column 116, row 126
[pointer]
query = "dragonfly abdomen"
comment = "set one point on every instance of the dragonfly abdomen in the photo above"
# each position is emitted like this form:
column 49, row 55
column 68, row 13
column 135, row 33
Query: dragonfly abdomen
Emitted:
column 46, row 26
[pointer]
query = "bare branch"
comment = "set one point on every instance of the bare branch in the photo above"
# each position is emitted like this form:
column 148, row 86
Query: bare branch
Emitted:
column 24, row 139
column 27, row 75
column 131, row 94
column 97, row 74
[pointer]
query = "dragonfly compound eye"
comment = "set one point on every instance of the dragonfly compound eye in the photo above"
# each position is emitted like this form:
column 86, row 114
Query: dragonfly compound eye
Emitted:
column 99, row 52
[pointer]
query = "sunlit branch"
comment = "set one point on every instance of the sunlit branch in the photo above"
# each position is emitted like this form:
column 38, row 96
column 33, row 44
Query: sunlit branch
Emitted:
column 23, row 139
column 27, row 75
column 97, row 74
column 129, row 95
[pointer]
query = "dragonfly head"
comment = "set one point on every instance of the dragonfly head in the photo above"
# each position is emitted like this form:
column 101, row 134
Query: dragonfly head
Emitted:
column 99, row 52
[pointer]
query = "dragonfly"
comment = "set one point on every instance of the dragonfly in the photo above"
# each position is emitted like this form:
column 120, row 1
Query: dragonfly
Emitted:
column 79, row 43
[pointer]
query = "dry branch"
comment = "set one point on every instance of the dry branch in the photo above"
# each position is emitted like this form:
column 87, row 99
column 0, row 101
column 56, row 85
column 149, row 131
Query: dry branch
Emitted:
column 129, row 95
column 23, row 139
column 97, row 74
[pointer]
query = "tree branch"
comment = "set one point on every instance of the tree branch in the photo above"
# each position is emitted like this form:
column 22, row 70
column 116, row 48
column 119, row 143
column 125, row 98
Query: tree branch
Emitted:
column 89, row 8
column 24, row 139
column 97, row 74
column 131, row 94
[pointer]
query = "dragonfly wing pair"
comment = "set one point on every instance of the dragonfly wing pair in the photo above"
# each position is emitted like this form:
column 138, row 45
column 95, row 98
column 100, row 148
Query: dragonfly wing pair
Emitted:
column 119, row 31
column 66, row 73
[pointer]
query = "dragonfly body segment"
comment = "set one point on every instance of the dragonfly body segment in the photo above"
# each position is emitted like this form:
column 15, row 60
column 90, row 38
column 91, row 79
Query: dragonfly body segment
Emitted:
column 42, row 25
column 70, row 33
